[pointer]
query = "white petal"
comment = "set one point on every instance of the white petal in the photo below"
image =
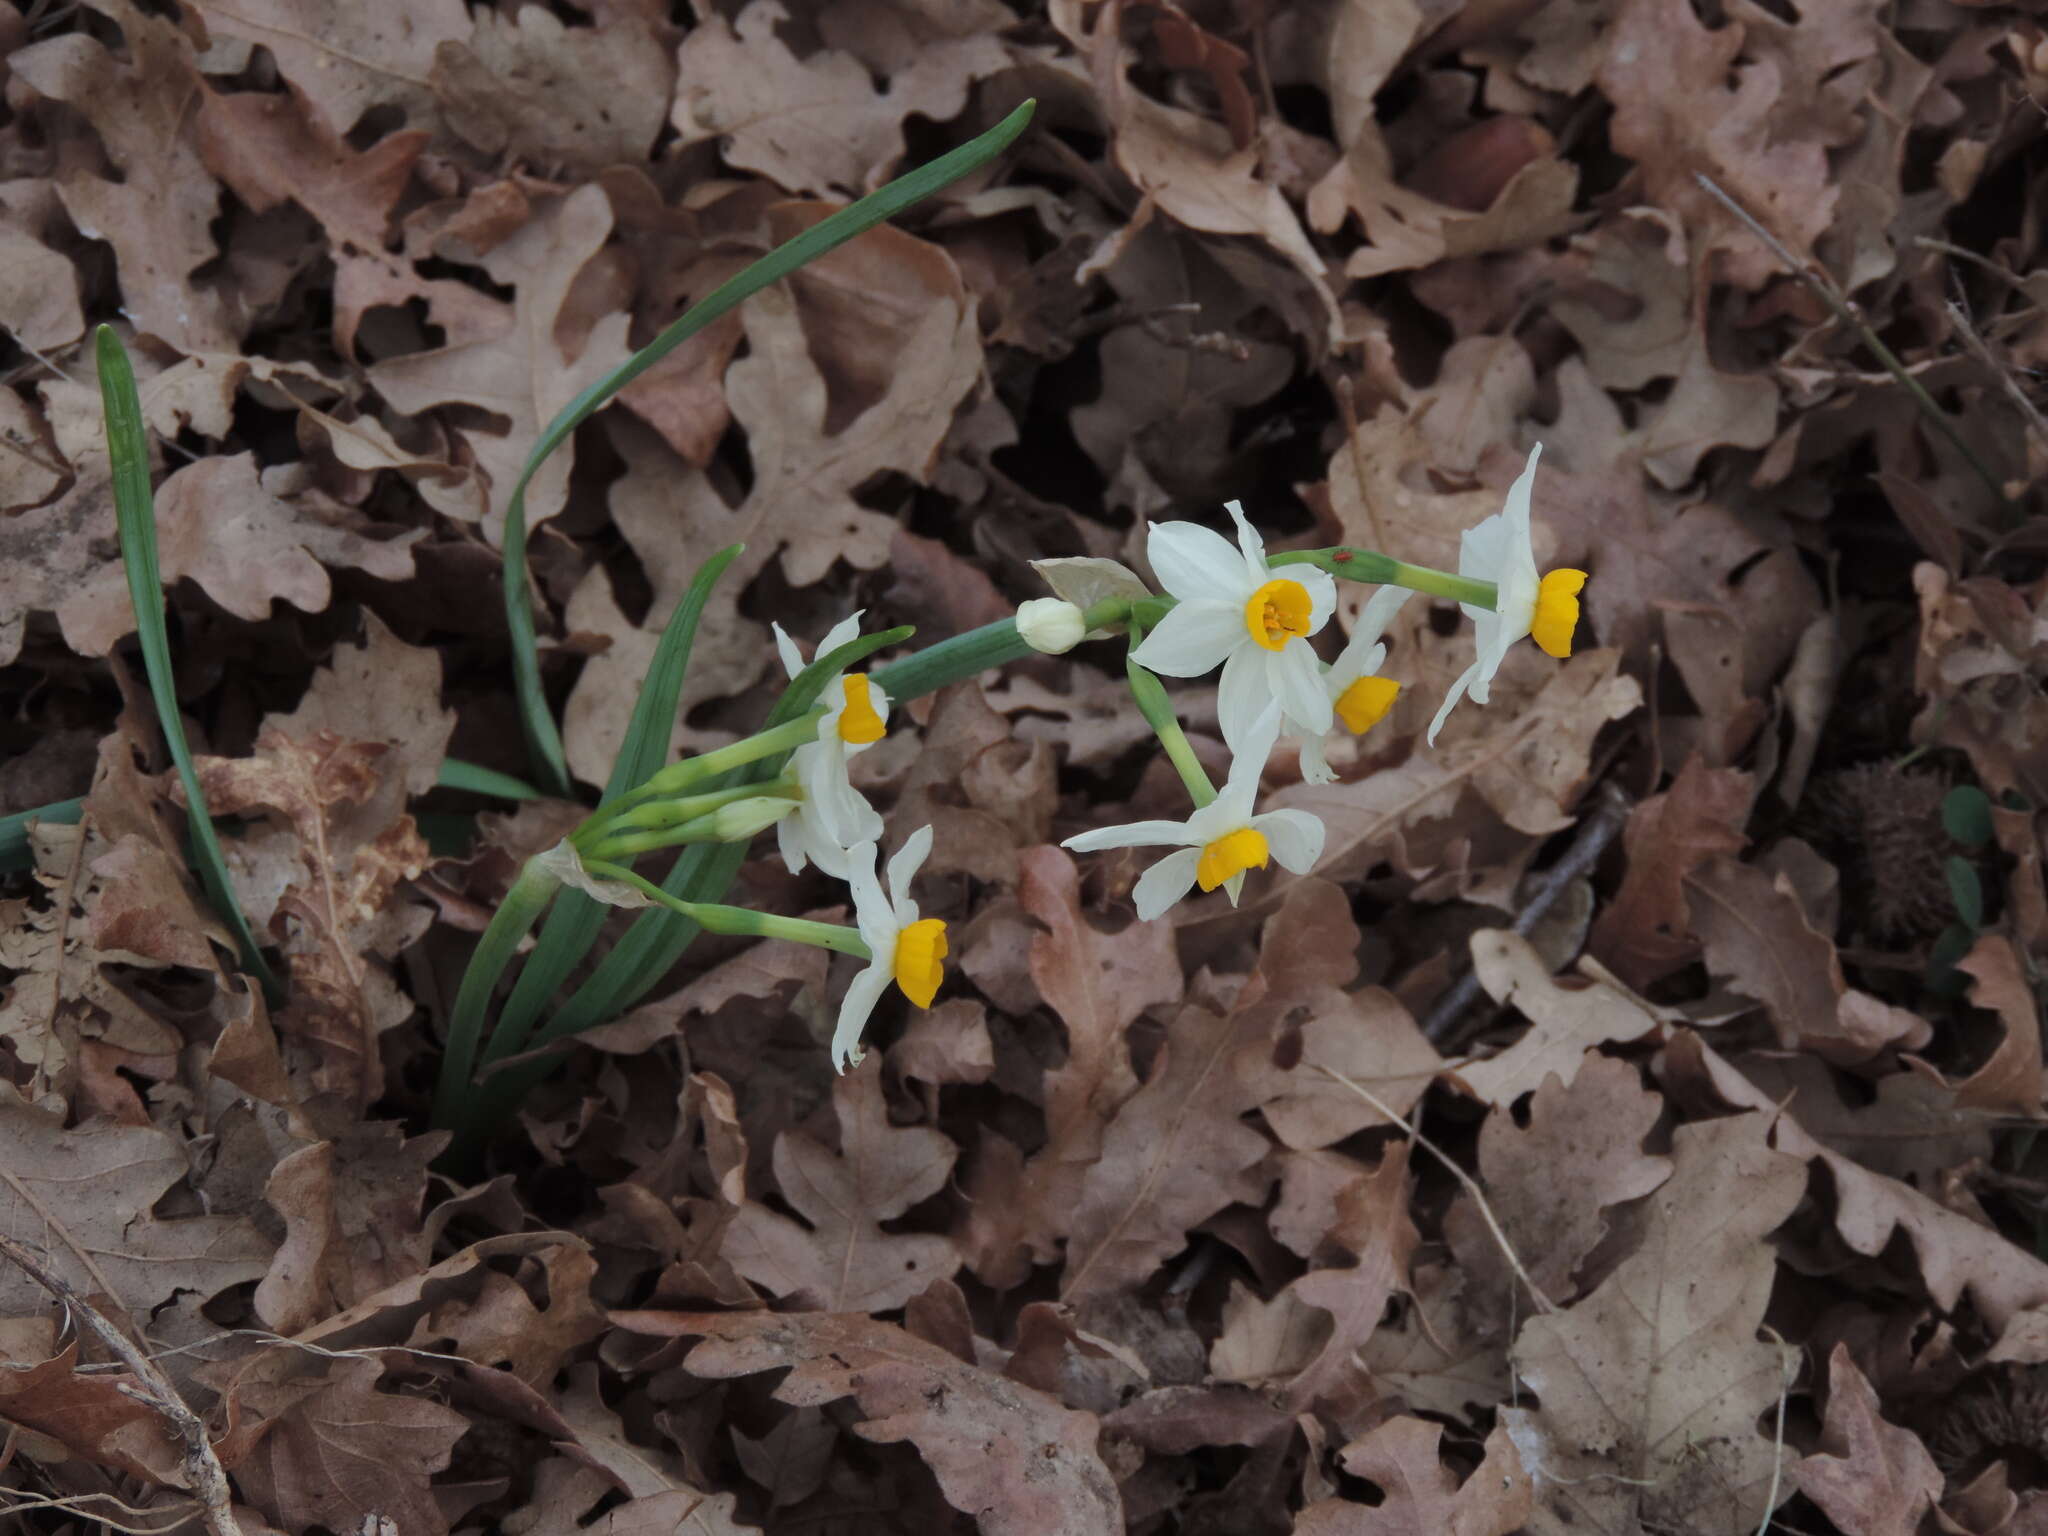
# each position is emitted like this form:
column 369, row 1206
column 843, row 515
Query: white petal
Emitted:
column 1493, row 641
column 862, row 993
column 1354, row 662
column 1321, row 587
column 1482, row 549
column 1456, row 692
column 1133, row 834
column 1165, row 883
column 1242, row 695
column 1193, row 562
column 1248, row 540
column 845, row 631
column 827, row 854
column 1193, row 637
column 872, row 912
column 1517, row 508
column 1296, row 680
column 792, row 658
column 1295, row 837
column 908, row 861
column 1232, row 808
column 789, row 842
column 1315, row 767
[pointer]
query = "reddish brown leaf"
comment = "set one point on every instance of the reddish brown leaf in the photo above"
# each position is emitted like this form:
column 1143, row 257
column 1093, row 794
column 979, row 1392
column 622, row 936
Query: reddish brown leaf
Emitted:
column 1013, row 1458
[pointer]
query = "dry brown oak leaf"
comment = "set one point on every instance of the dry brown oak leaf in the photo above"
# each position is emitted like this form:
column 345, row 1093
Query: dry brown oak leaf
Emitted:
column 332, row 1450
column 1550, row 1182
column 1653, row 1386
column 157, row 213
column 1956, row 1254
column 793, row 395
column 843, row 1261
column 347, row 59
column 1682, row 106
column 1565, row 1021
column 1422, row 1496
column 93, row 1417
column 324, row 876
column 84, row 1199
column 565, row 1492
column 526, row 370
column 1869, row 1477
column 816, row 124
column 1758, row 937
column 1098, row 983
column 1004, row 1453
column 216, row 522
column 1644, row 933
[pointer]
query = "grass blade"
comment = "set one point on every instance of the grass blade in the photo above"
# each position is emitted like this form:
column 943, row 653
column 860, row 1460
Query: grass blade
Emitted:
column 135, row 513
column 543, row 738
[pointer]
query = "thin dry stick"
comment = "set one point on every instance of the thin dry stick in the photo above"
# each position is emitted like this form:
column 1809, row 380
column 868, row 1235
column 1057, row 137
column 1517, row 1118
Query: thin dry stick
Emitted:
column 1980, row 349
column 1471, row 1184
column 209, row 1479
column 1610, row 811
column 1830, row 296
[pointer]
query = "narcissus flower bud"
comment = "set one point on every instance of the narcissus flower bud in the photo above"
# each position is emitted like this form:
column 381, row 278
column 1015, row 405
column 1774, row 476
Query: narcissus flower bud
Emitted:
column 1050, row 624
column 738, row 822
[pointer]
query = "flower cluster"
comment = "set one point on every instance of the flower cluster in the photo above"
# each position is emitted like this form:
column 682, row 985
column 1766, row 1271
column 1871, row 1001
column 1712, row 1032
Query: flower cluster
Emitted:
column 1226, row 606
column 836, row 829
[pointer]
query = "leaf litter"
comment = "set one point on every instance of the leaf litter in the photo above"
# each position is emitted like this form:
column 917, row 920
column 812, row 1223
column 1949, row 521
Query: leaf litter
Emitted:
column 1104, row 1241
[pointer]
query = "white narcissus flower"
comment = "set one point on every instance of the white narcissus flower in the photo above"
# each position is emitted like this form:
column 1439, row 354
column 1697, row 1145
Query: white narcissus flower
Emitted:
column 1501, row 550
column 834, row 815
column 906, row 949
column 1220, row 841
column 1359, row 696
column 1233, row 610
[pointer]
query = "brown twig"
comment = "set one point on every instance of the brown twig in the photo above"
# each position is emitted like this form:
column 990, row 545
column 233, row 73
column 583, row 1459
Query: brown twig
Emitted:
column 1610, row 810
column 1825, row 289
column 209, row 1479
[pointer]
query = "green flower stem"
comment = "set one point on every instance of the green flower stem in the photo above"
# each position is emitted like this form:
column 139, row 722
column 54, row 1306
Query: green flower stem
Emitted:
column 742, row 922
column 1369, row 565
column 509, row 925
column 692, row 771
column 1157, row 709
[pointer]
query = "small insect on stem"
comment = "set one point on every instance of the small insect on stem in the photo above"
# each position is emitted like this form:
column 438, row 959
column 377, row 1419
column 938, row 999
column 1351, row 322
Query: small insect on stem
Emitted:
column 1341, row 557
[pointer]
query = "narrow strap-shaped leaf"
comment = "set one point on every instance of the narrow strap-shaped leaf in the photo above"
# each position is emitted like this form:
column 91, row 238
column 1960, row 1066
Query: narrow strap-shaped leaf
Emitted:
column 573, row 924
column 15, row 853
column 544, row 740
column 476, row 779
column 658, row 936
column 135, row 516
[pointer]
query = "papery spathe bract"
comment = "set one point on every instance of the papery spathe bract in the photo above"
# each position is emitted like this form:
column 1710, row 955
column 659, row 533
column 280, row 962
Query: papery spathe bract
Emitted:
column 834, row 815
column 1221, row 840
column 907, row 949
column 1502, row 550
column 1234, row 611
